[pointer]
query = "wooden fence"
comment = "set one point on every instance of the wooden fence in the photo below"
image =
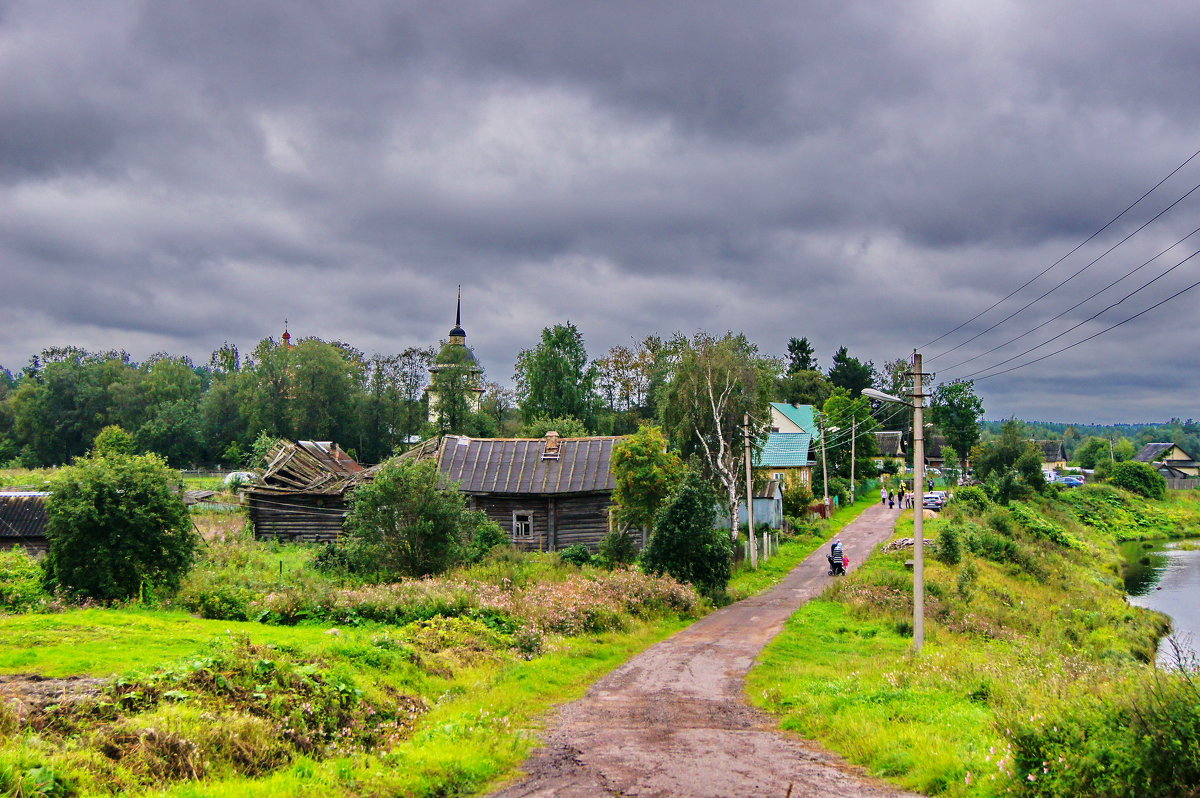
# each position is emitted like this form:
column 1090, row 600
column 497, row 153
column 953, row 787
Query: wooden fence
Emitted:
column 1184, row 483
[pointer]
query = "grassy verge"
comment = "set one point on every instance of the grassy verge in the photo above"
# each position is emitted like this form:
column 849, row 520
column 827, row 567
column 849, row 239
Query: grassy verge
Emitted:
column 1036, row 672
column 747, row 581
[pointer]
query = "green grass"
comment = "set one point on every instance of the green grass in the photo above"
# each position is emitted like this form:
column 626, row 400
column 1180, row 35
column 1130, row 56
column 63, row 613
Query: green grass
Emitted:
column 35, row 478
column 747, row 582
column 115, row 642
column 1012, row 644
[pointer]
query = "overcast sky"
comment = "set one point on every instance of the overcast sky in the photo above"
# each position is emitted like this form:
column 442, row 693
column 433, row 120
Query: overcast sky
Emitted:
column 178, row 174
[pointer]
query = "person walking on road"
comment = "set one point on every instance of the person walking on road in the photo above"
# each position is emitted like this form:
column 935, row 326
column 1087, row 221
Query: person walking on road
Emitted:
column 883, row 495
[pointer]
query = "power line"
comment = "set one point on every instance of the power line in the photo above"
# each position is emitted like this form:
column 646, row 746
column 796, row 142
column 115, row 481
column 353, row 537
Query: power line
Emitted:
column 1096, row 335
column 1107, row 224
column 1072, row 277
column 1123, row 277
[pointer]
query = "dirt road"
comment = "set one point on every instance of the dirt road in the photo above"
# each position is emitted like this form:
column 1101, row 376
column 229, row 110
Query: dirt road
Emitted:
column 672, row 721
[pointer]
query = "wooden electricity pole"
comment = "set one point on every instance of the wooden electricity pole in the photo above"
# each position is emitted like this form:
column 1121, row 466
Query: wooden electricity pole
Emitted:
column 749, row 492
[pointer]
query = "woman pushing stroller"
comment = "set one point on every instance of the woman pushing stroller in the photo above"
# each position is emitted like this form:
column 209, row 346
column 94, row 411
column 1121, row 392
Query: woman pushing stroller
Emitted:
column 837, row 559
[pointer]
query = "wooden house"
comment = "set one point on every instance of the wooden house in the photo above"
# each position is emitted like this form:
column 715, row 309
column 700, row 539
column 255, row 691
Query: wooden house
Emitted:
column 787, row 458
column 23, row 520
column 1170, row 460
column 547, row 493
column 890, row 445
column 794, row 418
column 301, row 495
column 1054, row 455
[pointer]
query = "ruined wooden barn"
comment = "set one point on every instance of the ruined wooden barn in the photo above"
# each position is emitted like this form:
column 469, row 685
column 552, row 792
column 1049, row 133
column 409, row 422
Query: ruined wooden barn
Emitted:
column 23, row 520
column 301, row 494
column 546, row 493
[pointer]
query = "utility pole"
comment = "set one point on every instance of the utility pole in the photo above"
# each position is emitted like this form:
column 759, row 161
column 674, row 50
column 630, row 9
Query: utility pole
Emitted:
column 918, row 397
column 824, row 471
column 853, row 436
column 749, row 491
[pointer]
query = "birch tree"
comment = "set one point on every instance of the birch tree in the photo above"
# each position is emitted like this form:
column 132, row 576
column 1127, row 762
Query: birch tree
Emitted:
column 712, row 384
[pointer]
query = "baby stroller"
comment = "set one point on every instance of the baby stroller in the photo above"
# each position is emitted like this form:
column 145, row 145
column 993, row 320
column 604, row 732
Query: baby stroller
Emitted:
column 837, row 563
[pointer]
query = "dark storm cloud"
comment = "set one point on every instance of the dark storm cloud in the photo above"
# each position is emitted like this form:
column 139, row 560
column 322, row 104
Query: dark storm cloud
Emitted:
column 173, row 175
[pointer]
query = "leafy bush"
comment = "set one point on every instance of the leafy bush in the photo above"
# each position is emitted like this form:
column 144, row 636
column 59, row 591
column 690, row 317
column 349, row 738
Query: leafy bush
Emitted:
column 1036, row 525
column 685, row 543
column 405, row 523
column 1140, row 740
column 949, row 548
column 116, row 527
column 1139, row 478
column 21, row 578
column 488, row 536
column 578, row 554
column 796, row 499
column 618, row 548
column 972, row 498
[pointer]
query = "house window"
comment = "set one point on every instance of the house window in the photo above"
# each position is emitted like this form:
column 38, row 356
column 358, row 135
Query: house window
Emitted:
column 522, row 528
column 779, row 476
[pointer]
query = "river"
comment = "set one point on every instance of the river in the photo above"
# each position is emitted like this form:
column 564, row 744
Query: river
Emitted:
column 1164, row 576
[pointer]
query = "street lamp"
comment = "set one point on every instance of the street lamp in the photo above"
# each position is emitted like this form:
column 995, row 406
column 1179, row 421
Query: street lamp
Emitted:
column 919, row 488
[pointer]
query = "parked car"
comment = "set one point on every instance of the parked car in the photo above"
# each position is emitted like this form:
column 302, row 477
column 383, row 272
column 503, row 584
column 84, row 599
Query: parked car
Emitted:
column 932, row 501
column 1070, row 482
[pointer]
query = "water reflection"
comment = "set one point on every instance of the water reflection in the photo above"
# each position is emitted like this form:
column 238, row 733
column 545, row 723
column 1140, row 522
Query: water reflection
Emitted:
column 1162, row 576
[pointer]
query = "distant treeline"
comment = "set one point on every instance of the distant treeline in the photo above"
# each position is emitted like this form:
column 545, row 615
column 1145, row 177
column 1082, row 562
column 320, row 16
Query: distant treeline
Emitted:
column 1185, row 433
column 212, row 413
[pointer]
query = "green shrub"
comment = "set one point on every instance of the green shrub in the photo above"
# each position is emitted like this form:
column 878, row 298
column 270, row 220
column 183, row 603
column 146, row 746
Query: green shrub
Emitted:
column 488, row 536
column 21, row 582
column 406, row 523
column 949, row 548
column 618, row 548
column 1000, row 521
column 116, row 527
column 972, row 498
column 578, row 554
column 1036, row 525
column 1139, row 478
column 685, row 543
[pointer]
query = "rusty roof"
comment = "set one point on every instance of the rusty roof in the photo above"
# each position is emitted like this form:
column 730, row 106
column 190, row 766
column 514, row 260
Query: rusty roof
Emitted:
column 523, row 465
column 23, row 514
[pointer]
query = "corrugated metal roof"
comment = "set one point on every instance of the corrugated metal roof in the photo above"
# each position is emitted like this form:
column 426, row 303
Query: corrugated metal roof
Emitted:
column 519, row 465
column 784, row 450
column 23, row 514
column 803, row 416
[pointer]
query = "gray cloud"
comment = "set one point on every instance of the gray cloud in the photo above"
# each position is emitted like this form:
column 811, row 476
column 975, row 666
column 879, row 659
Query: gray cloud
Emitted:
column 174, row 175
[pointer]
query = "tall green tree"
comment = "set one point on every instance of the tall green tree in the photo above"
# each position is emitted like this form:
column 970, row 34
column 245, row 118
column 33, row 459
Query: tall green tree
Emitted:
column 851, row 373
column 1011, row 465
column 804, row 388
column 555, row 379
column 645, row 472
column 801, row 356
column 957, row 411
column 844, row 420
column 714, row 384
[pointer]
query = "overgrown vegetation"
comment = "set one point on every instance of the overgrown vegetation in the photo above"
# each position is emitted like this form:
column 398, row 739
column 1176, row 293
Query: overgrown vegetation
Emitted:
column 332, row 678
column 1036, row 677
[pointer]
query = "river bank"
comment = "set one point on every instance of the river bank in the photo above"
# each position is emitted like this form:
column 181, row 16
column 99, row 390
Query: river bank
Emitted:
column 1034, row 663
column 1164, row 576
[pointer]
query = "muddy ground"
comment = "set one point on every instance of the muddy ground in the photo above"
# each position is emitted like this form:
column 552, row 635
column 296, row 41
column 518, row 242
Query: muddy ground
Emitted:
column 673, row 720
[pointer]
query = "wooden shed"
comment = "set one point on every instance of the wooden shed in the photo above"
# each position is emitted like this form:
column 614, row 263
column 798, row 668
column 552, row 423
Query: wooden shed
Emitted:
column 547, row 493
column 301, row 495
column 23, row 519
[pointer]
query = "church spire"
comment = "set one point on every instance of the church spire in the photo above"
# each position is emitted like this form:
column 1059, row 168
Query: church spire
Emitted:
column 458, row 335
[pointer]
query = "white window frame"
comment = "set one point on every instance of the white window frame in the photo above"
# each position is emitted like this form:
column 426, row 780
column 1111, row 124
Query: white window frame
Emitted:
column 522, row 525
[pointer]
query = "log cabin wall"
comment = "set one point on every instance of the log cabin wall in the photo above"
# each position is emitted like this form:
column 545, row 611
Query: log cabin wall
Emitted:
column 296, row 517
column 559, row 521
